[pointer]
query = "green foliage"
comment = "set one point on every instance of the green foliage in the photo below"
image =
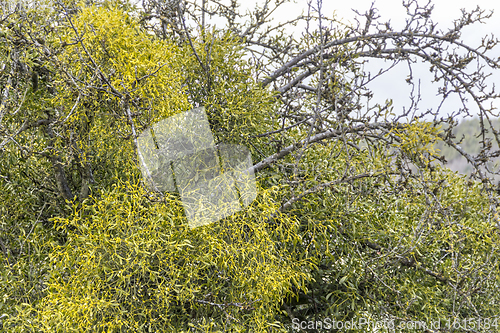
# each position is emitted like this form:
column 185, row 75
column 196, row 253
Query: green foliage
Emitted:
column 371, row 246
column 130, row 62
column 133, row 264
column 222, row 80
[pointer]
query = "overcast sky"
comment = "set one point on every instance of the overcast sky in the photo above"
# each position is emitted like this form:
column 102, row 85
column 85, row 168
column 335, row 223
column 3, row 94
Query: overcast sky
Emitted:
column 393, row 86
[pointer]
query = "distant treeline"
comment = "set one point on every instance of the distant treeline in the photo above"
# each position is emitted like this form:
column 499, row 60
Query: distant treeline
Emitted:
column 467, row 131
